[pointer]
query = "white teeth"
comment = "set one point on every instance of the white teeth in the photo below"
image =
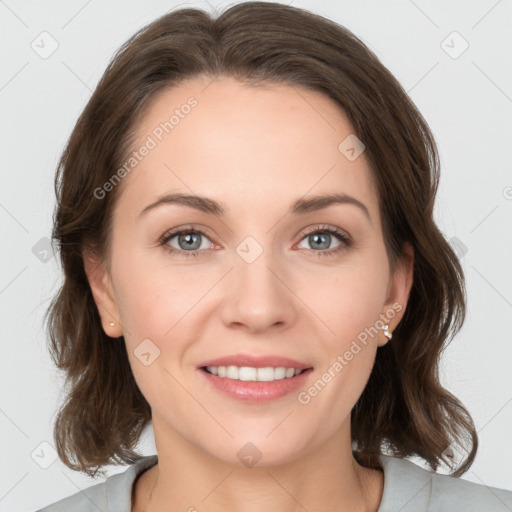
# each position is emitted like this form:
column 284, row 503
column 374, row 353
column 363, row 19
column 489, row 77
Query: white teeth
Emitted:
column 232, row 372
column 266, row 374
column 247, row 373
column 279, row 373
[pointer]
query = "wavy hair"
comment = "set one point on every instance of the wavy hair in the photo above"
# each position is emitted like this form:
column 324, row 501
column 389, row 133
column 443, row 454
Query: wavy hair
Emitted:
column 404, row 410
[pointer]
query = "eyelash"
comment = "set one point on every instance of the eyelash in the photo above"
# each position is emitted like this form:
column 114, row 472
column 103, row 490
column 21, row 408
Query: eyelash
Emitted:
column 340, row 235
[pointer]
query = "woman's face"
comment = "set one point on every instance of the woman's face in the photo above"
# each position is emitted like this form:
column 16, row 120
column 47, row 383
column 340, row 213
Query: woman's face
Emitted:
column 259, row 279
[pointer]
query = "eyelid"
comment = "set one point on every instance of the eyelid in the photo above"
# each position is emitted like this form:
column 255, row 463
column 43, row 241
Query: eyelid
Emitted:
column 344, row 239
column 204, row 231
column 325, row 227
column 171, row 233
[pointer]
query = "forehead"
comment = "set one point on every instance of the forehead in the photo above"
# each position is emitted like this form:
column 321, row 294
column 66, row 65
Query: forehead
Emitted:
column 247, row 146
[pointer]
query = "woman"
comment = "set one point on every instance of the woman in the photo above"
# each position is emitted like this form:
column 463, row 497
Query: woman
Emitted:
column 277, row 374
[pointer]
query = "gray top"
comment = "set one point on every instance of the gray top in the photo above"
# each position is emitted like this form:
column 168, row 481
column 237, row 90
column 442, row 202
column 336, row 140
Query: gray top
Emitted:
column 407, row 488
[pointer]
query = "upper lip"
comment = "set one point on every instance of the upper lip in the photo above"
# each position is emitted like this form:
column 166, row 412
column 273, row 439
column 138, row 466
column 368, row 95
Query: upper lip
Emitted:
column 256, row 362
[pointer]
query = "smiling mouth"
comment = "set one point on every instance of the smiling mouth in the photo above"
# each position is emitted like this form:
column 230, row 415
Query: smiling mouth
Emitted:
column 252, row 374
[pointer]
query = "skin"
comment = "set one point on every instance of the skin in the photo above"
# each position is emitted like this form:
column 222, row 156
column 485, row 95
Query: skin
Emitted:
column 256, row 150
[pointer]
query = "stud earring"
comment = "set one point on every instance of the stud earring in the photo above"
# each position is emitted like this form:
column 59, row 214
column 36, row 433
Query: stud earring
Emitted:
column 112, row 324
column 387, row 333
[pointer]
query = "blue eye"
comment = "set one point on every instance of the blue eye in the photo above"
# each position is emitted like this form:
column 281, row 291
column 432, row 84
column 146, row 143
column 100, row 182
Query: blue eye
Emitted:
column 320, row 234
column 190, row 238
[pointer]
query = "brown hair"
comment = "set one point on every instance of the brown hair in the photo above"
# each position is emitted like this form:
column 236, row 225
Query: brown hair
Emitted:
column 404, row 409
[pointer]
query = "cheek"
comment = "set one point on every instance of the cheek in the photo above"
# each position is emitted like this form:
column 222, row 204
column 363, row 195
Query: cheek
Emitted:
column 163, row 304
column 155, row 294
column 151, row 295
column 353, row 303
column 353, row 298
column 144, row 312
column 150, row 308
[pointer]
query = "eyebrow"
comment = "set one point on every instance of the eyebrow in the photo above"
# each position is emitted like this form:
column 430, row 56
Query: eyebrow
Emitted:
column 301, row 206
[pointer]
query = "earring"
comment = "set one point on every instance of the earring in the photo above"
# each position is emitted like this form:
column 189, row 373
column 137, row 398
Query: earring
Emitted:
column 387, row 333
column 112, row 324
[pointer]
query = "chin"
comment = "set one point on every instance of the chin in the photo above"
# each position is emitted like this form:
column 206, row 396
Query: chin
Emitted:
column 256, row 452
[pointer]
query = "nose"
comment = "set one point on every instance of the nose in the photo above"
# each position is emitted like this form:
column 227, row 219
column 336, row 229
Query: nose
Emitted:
column 258, row 296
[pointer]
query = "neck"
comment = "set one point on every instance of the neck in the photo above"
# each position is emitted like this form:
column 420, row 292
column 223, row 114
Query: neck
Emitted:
column 187, row 478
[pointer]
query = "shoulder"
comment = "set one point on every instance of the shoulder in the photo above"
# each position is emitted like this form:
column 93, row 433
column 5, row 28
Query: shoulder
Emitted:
column 113, row 495
column 408, row 487
column 92, row 498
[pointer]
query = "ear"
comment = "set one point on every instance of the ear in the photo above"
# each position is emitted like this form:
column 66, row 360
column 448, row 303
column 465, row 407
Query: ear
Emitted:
column 398, row 291
column 102, row 291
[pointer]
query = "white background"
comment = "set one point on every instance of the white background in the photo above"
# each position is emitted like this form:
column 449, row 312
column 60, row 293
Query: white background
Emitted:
column 467, row 101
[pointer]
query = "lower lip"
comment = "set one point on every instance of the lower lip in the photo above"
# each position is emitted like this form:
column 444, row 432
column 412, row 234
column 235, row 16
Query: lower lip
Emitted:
column 256, row 392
